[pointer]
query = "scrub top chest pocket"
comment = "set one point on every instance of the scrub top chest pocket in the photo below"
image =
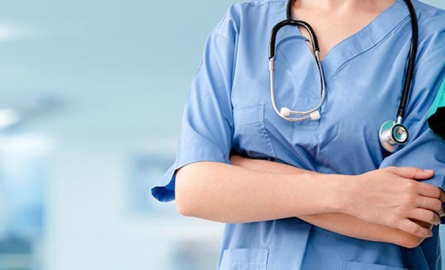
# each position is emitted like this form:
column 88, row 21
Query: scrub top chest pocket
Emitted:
column 251, row 137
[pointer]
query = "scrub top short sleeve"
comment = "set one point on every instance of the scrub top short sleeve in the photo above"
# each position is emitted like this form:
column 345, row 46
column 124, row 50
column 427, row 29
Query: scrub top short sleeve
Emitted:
column 206, row 130
column 424, row 149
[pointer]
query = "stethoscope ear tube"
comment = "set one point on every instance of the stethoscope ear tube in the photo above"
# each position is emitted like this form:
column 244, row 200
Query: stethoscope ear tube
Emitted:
column 284, row 112
column 290, row 22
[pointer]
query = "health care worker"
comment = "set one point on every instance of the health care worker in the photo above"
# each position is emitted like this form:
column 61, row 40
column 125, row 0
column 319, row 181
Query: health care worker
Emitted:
column 320, row 193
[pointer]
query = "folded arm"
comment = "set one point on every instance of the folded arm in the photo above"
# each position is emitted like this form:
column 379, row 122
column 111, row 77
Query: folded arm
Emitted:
column 339, row 222
column 252, row 190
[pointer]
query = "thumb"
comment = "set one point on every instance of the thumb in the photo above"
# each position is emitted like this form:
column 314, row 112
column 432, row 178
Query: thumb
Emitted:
column 411, row 172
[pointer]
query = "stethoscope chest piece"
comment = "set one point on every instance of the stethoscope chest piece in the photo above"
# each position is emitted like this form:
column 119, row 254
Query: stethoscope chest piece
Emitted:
column 392, row 134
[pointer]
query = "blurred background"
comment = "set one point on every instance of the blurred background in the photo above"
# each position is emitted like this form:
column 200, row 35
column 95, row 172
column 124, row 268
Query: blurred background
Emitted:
column 92, row 94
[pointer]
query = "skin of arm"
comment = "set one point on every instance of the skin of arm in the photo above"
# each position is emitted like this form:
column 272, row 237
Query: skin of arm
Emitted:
column 234, row 194
column 338, row 222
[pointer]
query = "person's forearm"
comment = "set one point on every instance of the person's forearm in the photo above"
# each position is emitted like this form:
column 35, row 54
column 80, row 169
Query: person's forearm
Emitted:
column 336, row 222
column 392, row 197
column 232, row 194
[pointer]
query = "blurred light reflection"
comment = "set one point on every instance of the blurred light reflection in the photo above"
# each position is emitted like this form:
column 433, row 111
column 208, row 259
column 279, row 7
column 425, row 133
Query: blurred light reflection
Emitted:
column 8, row 117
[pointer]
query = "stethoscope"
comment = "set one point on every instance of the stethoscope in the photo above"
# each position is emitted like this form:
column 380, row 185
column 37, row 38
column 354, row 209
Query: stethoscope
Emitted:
column 391, row 133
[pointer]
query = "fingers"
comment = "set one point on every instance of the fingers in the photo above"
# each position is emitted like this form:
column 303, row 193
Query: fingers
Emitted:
column 423, row 189
column 393, row 198
column 424, row 224
column 431, row 191
column 442, row 195
column 428, row 210
column 428, row 207
column 414, row 228
column 425, row 216
column 411, row 172
column 432, row 204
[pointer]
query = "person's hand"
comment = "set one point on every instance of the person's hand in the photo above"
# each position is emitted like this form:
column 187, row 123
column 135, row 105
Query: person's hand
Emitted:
column 392, row 197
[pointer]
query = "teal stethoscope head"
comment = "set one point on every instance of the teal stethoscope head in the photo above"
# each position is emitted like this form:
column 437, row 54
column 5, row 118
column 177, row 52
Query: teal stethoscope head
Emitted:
column 391, row 133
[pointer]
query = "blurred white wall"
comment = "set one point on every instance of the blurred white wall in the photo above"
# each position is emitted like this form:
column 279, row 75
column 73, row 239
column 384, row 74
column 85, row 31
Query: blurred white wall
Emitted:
column 106, row 83
column 137, row 63
column 90, row 226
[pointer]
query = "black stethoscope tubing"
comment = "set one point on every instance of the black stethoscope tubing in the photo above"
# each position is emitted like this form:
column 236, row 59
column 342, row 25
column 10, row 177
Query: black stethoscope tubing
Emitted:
column 411, row 59
column 278, row 26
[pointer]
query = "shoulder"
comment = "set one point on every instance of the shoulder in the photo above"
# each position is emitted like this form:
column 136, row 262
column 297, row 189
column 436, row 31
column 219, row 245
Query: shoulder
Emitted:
column 248, row 14
column 260, row 3
column 245, row 9
column 431, row 19
column 431, row 23
column 427, row 9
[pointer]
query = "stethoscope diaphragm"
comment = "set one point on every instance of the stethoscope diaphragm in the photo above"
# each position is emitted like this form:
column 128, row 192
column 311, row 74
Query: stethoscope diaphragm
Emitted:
column 392, row 134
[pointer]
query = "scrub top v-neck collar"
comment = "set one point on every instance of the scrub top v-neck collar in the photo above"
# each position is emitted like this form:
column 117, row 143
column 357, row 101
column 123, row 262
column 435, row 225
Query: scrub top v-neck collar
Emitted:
column 364, row 39
column 358, row 43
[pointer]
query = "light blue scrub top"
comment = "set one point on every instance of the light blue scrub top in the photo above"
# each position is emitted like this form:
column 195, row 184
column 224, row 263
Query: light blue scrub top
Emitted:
column 229, row 111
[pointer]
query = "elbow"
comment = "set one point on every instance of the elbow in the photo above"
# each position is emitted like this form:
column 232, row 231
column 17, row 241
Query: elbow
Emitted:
column 194, row 196
column 183, row 196
column 183, row 206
